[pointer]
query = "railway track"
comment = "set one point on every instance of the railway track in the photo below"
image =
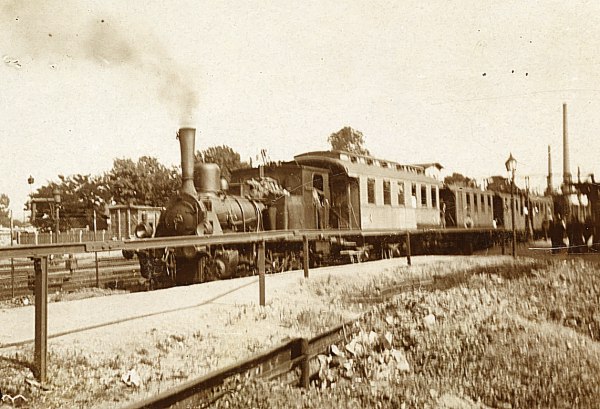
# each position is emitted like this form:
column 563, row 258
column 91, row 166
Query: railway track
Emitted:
column 65, row 276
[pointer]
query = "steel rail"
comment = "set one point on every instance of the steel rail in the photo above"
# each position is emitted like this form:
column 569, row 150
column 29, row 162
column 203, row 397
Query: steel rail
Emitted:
column 212, row 380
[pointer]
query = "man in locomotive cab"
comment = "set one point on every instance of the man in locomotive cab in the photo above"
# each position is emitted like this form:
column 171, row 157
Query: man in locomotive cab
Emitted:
column 318, row 202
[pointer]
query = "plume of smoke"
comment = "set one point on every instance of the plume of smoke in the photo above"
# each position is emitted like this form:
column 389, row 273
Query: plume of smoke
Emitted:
column 59, row 30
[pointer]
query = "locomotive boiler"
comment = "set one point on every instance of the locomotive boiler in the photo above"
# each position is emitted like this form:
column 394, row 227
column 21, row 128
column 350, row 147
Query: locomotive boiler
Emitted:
column 201, row 207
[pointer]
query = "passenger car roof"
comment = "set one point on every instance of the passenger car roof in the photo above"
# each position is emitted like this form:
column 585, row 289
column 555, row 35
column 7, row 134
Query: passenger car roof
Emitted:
column 354, row 165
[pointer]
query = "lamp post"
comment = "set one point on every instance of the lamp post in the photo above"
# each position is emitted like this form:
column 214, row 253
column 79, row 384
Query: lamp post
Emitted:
column 56, row 196
column 30, row 181
column 511, row 166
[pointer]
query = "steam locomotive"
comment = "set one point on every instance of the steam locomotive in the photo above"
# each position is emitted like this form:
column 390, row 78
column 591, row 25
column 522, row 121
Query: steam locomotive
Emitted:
column 200, row 208
column 326, row 190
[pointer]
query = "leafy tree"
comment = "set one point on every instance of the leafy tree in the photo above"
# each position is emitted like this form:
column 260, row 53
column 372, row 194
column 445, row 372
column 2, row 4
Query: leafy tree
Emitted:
column 458, row 179
column 4, row 212
column 145, row 182
column 349, row 140
column 224, row 156
column 80, row 196
column 498, row 184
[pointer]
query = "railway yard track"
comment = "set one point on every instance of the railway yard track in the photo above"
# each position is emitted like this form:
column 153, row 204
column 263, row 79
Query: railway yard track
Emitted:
column 112, row 273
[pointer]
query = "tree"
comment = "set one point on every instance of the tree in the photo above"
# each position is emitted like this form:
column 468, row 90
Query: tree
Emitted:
column 80, row 195
column 145, row 182
column 458, row 179
column 498, row 184
column 349, row 140
column 4, row 212
column 224, row 156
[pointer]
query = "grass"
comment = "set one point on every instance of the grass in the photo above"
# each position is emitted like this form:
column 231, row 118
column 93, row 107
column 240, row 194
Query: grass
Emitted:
column 514, row 335
column 522, row 334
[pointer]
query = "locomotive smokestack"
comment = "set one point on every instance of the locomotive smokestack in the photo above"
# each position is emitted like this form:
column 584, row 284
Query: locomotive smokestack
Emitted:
column 187, row 142
column 566, row 168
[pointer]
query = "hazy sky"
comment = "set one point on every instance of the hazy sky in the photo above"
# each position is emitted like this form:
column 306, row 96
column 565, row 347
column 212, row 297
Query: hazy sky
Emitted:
column 462, row 83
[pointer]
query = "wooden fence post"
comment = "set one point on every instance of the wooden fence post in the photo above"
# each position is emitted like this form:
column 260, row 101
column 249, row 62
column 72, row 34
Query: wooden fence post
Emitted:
column 97, row 270
column 12, row 278
column 304, row 364
column 306, row 259
column 261, row 272
column 40, row 266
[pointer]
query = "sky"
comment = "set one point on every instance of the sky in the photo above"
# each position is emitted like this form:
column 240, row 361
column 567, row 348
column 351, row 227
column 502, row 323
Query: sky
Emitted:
column 463, row 83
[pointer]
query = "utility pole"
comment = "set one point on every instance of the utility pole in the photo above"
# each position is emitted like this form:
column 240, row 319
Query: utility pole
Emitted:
column 56, row 197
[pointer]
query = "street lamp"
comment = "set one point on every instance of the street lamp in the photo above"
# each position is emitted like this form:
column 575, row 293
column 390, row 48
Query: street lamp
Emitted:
column 30, row 181
column 511, row 166
column 56, row 196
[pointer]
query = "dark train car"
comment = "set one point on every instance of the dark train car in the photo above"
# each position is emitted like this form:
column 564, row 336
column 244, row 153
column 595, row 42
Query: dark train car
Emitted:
column 466, row 207
column 591, row 191
column 304, row 203
column 531, row 212
column 573, row 205
column 370, row 193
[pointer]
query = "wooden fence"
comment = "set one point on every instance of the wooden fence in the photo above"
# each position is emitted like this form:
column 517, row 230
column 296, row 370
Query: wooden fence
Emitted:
column 77, row 236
